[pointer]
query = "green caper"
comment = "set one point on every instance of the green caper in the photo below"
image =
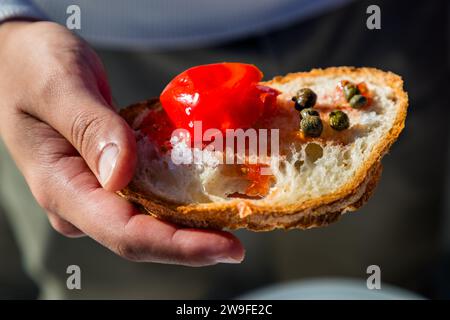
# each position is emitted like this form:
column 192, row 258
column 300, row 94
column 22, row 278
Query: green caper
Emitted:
column 305, row 98
column 311, row 126
column 358, row 101
column 339, row 120
column 350, row 90
column 308, row 112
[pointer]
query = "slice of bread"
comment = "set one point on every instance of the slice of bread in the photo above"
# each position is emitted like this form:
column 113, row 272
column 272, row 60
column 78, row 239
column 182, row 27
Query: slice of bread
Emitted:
column 315, row 180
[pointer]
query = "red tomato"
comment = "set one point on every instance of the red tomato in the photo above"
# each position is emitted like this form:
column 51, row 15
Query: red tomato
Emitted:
column 158, row 127
column 221, row 95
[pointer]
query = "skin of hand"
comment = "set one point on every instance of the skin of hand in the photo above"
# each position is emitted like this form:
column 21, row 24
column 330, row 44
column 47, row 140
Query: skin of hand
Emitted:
column 74, row 150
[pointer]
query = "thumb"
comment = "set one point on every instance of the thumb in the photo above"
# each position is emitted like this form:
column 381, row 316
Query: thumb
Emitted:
column 100, row 135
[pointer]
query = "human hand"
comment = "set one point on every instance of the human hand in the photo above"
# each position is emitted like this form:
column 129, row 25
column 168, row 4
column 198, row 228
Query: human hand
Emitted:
column 74, row 151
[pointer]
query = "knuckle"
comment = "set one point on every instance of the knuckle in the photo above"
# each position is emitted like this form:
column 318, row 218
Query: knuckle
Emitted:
column 42, row 197
column 86, row 126
column 41, row 186
column 128, row 250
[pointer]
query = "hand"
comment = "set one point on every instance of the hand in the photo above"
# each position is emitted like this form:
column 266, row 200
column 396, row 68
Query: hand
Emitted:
column 74, row 150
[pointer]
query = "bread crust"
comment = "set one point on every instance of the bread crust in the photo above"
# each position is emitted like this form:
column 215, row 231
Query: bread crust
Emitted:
column 241, row 213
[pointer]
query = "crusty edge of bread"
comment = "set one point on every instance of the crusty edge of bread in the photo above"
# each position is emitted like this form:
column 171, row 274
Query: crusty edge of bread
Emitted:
column 241, row 213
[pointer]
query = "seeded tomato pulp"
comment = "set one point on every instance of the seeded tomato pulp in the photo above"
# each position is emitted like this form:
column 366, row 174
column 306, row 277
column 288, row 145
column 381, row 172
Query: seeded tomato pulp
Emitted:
column 222, row 96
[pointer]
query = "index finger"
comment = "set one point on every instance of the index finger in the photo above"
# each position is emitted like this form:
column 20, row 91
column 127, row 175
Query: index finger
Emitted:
column 62, row 183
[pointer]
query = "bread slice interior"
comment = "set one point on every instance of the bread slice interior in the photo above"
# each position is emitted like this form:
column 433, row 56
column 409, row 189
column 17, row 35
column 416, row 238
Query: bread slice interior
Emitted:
column 312, row 180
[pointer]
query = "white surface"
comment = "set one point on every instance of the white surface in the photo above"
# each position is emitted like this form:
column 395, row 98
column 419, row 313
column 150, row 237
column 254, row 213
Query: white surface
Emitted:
column 330, row 289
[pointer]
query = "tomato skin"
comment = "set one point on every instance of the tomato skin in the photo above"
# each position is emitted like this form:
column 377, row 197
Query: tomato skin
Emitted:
column 221, row 95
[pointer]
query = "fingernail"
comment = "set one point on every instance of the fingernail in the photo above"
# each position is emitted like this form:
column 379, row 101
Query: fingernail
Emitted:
column 107, row 162
column 236, row 256
column 228, row 260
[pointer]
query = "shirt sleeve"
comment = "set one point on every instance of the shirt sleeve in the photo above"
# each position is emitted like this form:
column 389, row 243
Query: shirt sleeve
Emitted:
column 11, row 9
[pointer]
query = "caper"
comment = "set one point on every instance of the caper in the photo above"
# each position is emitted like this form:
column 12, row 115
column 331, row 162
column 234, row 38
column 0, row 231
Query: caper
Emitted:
column 339, row 120
column 309, row 112
column 350, row 90
column 311, row 126
column 358, row 101
column 305, row 98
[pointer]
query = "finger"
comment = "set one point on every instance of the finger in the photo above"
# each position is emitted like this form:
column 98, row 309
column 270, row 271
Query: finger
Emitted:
column 28, row 139
column 118, row 225
column 176, row 245
column 77, row 108
column 64, row 227
column 62, row 183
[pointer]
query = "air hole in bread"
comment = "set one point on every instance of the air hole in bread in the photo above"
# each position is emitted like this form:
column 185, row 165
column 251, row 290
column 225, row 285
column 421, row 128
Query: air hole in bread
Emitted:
column 298, row 164
column 282, row 167
column 363, row 146
column 243, row 196
column 391, row 96
column 313, row 152
column 346, row 155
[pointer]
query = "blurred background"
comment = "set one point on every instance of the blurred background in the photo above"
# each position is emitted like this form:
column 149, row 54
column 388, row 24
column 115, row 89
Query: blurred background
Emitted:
column 404, row 228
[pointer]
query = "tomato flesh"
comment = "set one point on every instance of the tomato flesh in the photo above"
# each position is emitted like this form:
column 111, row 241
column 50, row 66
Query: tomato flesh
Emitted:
column 158, row 128
column 259, row 184
column 222, row 96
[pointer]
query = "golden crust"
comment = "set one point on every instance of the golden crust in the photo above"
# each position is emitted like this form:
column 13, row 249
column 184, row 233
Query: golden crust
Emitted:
column 264, row 219
column 241, row 213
